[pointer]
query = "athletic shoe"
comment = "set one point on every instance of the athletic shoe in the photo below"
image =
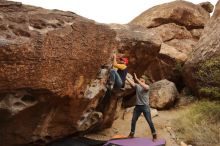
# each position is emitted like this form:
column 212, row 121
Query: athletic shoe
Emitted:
column 154, row 137
column 131, row 135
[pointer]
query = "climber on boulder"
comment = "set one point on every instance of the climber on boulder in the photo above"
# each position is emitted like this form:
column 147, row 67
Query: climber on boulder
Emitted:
column 116, row 79
column 118, row 73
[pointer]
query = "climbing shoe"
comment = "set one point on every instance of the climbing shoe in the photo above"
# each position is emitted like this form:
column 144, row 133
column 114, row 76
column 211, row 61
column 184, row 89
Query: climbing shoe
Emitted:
column 131, row 135
column 154, row 137
column 110, row 85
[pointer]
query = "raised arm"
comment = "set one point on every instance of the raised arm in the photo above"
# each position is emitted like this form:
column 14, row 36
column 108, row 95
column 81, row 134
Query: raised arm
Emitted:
column 114, row 60
column 118, row 65
column 130, row 81
column 145, row 86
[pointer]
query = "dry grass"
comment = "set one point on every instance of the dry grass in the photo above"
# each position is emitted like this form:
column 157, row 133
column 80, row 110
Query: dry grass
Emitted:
column 200, row 124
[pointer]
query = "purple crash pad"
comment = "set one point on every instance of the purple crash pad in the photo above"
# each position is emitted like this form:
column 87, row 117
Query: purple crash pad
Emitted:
column 136, row 142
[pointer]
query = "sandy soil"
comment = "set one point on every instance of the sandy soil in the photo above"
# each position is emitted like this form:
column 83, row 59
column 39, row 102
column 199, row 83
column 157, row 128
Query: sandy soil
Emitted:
column 162, row 122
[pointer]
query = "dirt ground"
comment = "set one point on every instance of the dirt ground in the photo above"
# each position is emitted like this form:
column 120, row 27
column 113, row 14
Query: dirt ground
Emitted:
column 162, row 123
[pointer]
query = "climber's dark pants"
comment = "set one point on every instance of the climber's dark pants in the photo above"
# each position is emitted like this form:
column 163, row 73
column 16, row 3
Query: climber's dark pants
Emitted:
column 145, row 109
column 115, row 79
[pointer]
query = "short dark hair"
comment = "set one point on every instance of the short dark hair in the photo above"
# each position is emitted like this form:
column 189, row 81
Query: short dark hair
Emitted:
column 146, row 79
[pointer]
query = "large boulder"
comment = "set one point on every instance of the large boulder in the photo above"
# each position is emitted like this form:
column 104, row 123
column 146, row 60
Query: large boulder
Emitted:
column 163, row 94
column 207, row 6
column 181, row 21
column 202, row 70
column 161, row 39
column 180, row 12
column 180, row 25
column 49, row 64
column 143, row 47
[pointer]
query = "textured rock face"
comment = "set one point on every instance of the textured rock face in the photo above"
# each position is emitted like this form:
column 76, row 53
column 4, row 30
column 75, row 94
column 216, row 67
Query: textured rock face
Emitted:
column 159, row 41
column 49, row 68
column 207, row 6
column 49, row 62
column 202, row 70
column 180, row 21
column 142, row 47
column 180, row 12
column 162, row 94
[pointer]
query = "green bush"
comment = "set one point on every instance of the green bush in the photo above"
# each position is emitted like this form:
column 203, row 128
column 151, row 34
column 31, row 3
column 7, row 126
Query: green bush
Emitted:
column 209, row 71
column 200, row 124
column 208, row 76
column 213, row 92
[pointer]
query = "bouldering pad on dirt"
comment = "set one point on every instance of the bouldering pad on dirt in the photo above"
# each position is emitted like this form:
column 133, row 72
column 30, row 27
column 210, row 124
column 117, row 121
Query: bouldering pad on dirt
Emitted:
column 136, row 142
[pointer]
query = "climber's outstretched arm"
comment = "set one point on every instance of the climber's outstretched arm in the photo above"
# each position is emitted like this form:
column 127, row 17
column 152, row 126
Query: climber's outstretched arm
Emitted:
column 131, row 82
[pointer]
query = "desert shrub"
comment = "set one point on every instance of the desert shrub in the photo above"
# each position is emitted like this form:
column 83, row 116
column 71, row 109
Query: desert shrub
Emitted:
column 199, row 125
column 208, row 75
column 213, row 92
